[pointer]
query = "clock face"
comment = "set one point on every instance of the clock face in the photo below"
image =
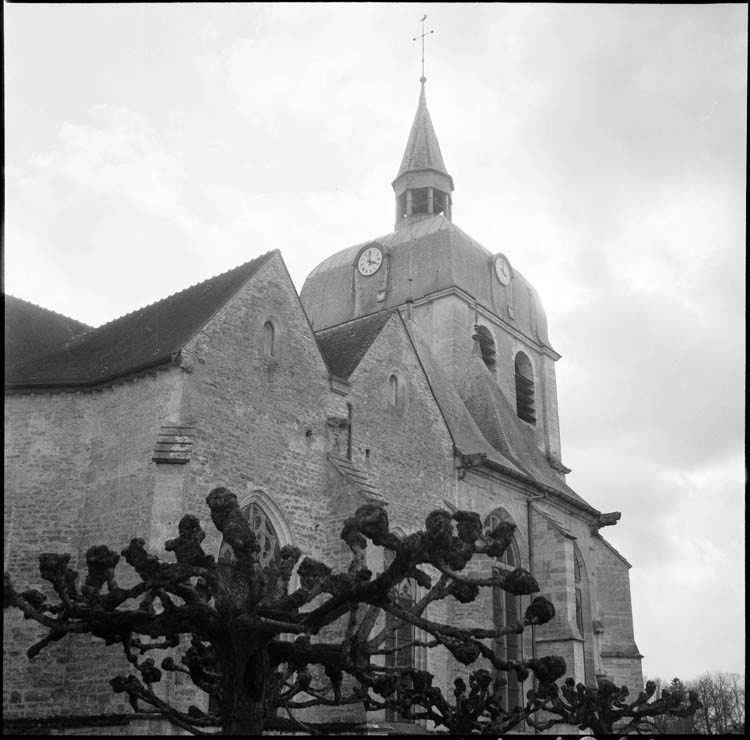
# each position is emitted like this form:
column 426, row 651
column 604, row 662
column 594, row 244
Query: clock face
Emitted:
column 370, row 261
column 503, row 269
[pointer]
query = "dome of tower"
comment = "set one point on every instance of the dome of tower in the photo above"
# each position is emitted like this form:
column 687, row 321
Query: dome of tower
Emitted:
column 419, row 260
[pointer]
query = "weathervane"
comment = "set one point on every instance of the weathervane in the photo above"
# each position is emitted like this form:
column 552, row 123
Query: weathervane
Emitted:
column 423, row 34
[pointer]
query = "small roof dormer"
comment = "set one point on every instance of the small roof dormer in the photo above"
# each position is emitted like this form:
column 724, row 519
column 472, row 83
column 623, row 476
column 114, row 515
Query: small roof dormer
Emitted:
column 423, row 187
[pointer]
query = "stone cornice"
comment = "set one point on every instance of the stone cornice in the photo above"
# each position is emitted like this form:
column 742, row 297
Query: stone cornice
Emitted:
column 484, row 312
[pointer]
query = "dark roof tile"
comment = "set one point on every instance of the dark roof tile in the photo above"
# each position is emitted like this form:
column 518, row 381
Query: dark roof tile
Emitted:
column 143, row 338
column 497, row 419
column 32, row 331
column 343, row 346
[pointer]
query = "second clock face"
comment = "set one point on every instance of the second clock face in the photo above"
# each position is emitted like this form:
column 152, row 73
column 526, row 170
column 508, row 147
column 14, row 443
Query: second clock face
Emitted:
column 370, row 261
column 503, row 270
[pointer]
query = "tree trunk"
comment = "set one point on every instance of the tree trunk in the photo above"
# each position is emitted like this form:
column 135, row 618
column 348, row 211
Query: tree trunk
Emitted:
column 245, row 693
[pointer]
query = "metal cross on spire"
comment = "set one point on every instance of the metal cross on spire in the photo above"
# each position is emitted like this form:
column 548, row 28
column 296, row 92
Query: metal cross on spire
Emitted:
column 422, row 35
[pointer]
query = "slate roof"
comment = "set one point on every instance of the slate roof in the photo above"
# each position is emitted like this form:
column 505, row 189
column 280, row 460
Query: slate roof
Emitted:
column 356, row 478
column 466, row 435
column 144, row 338
column 32, row 331
column 514, row 450
column 497, row 418
column 422, row 148
column 343, row 346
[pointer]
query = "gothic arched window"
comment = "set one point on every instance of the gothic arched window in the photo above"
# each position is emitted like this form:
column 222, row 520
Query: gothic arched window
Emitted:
column 400, row 636
column 506, row 609
column 525, row 389
column 269, row 339
column 270, row 551
column 264, row 532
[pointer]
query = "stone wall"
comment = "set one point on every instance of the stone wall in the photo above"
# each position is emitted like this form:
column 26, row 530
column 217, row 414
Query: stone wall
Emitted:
column 485, row 493
column 447, row 322
column 620, row 658
column 261, row 419
column 78, row 472
column 404, row 447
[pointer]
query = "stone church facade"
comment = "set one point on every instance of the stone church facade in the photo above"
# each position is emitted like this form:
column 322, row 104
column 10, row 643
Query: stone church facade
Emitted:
column 413, row 369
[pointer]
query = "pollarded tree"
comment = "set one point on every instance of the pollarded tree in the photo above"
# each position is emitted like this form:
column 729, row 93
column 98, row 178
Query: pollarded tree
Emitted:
column 606, row 709
column 235, row 623
column 255, row 647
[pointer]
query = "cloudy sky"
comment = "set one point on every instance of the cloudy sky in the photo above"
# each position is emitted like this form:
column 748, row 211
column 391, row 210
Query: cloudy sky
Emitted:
column 600, row 147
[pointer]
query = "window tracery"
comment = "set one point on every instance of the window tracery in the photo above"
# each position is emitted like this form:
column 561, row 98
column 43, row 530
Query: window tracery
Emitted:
column 506, row 609
column 265, row 533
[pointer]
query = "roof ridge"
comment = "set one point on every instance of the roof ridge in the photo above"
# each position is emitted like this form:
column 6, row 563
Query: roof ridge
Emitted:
column 172, row 295
column 48, row 310
column 379, row 312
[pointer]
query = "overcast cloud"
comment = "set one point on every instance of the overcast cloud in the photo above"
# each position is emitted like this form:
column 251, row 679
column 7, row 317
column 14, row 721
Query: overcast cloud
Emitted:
column 600, row 147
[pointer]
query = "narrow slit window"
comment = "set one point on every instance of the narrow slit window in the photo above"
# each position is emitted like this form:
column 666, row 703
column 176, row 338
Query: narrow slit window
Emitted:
column 579, row 595
column 269, row 339
column 393, row 391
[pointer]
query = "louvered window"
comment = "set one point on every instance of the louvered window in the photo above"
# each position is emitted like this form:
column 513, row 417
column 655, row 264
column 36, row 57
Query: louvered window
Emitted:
column 420, row 199
column 401, row 207
column 439, row 200
column 487, row 347
column 525, row 389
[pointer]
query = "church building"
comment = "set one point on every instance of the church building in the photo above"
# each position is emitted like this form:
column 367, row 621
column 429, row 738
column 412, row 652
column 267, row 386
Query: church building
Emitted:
column 413, row 369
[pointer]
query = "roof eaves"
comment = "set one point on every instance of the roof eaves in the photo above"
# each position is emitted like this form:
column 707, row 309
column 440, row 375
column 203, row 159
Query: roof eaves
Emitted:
column 581, row 505
column 60, row 386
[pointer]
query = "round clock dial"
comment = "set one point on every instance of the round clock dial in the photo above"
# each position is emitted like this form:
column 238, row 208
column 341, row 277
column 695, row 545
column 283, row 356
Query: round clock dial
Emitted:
column 370, row 261
column 503, row 269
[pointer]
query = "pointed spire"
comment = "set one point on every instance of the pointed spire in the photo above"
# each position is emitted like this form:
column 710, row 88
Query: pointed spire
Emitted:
column 422, row 148
column 423, row 186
